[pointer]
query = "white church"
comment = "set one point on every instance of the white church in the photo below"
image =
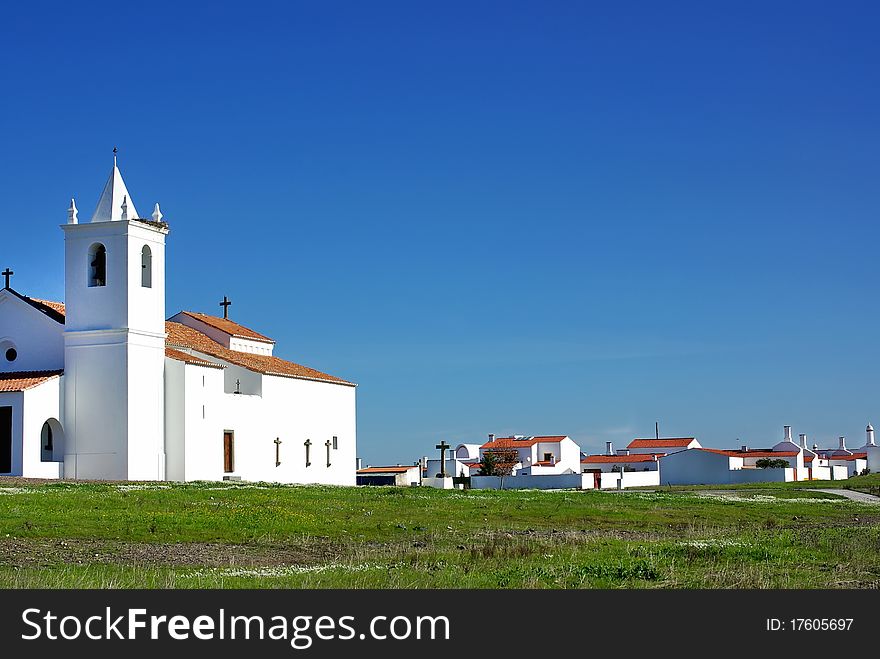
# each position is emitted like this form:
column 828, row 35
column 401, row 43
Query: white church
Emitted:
column 103, row 387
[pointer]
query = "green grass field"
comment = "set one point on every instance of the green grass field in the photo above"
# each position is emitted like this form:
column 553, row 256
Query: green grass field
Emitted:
column 213, row 535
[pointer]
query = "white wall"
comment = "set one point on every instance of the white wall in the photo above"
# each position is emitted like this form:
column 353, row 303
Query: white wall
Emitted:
column 38, row 340
column 290, row 409
column 454, row 467
column 761, row 475
column 839, row 473
column 873, row 458
column 640, row 478
column 550, row 482
column 40, row 404
column 694, row 467
column 443, row 483
column 96, row 405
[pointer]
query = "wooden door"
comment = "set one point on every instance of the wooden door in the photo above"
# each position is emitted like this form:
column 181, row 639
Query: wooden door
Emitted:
column 228, row 452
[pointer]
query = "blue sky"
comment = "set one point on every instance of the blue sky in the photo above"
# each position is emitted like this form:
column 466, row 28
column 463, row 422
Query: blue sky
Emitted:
column 519, row 217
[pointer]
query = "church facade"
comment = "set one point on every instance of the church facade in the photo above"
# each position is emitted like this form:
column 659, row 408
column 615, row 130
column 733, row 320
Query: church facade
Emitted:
column 103, row 387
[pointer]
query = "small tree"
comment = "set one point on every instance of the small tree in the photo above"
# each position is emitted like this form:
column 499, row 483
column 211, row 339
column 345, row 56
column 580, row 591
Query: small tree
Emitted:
column 499, row 462
column 488, row 464
column 768, row 463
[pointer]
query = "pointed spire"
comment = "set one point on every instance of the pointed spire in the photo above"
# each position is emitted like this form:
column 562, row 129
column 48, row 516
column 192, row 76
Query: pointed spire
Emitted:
column 113, row 196
column 157, row 214
column 72, row 213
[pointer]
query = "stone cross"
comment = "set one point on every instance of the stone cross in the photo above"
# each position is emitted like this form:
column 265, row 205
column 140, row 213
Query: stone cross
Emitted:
column 277, row 451
column 328, row 444
column 308, row 444
column 443, row 446
column 7, row 273
column 225, row 304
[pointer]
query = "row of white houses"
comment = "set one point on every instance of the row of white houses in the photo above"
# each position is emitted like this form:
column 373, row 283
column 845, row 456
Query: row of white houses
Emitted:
column 556, row 462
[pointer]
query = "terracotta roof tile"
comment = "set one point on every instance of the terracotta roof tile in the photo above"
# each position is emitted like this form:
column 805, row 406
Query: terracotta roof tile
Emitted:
column 660, row 443
column 181, row 336
column 24, row 380
column 388, row 470
column 57, row 307
column 229, row 327
column 525, row 442
column 611, row 459
column 764, row 454
column 180, row 356
column 55, row 310
column 854, row 456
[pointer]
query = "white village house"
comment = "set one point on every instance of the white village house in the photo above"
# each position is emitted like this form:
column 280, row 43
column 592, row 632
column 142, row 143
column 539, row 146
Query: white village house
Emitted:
column 103, row 387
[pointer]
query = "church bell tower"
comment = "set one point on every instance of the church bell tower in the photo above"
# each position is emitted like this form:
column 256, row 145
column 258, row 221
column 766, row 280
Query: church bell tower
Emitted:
column 114, row 339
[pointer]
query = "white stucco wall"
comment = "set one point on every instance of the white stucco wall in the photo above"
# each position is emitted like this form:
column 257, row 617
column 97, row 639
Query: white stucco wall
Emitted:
column 95, row 405
column 873, row 458
column 30, row 410
column 549, row 482
column 38, row 340
column 694, row 467
column 292, row 410
column 640, row 478
column 40, row 404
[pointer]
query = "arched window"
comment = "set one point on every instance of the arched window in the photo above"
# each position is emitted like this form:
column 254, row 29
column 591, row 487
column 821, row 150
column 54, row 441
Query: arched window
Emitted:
column 51, row 441
column 97, row 265
column 146, row 267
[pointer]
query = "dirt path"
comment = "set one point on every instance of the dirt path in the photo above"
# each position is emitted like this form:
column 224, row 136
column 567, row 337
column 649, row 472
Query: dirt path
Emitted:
column 861, row 497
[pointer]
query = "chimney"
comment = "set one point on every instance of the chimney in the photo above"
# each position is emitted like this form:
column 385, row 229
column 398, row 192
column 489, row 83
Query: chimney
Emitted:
column 870, row 432
column 787, row 433
column 609, row 448
column 359, row 463
column 815, row 446
column 744, row 448
column 803, row 437
column 842, row 443
column 491, row 436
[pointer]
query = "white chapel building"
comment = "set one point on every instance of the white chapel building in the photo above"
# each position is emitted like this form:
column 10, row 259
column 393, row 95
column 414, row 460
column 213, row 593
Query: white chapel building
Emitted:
column 103, row 387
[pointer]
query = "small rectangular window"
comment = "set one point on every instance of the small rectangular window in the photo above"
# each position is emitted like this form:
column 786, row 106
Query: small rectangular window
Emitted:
column 335, row 443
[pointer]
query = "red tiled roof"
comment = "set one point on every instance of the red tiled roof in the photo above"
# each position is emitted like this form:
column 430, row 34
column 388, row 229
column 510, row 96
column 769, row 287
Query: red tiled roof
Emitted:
column 716, row 450
column 611, row 459
column 24, row 380
column 660, row 443
column 171, row 353
column 764, row 454
column 229, row 327
column 55, row 310
column 473, row 464
column 525, row 442
column 57, row 307
column 181, row 336
column 854, row 456
column 378, row 470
